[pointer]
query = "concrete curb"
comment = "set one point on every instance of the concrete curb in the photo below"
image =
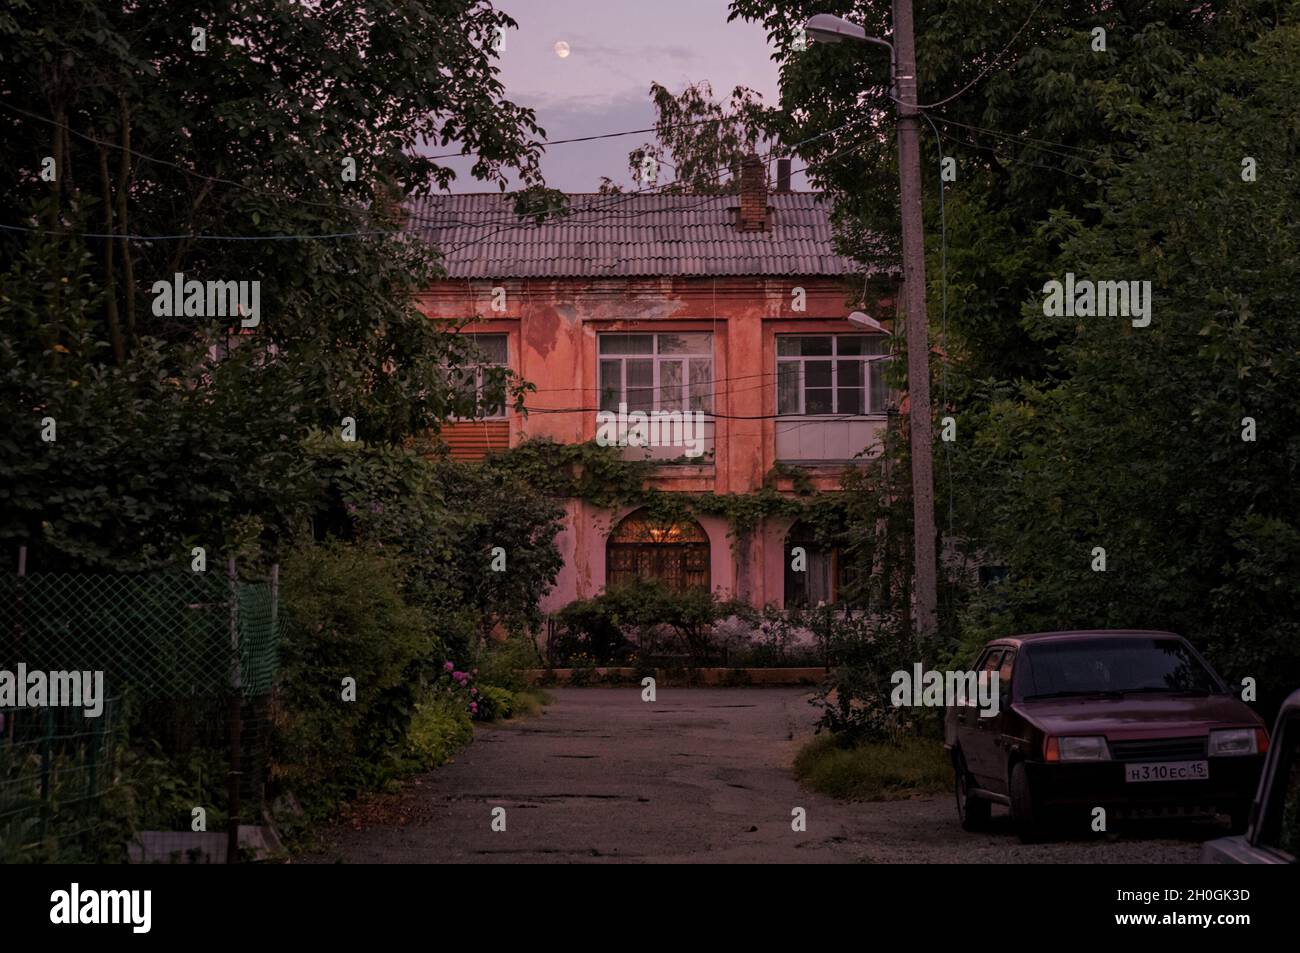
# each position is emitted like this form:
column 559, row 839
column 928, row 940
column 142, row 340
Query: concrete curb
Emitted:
column 711, row 677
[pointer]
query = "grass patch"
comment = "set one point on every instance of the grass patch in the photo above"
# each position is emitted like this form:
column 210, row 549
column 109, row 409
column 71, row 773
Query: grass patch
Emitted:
column 531, row 701
column 873, row 771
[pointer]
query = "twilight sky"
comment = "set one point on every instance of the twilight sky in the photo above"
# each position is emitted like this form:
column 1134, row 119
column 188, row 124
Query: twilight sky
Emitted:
column 616, row 49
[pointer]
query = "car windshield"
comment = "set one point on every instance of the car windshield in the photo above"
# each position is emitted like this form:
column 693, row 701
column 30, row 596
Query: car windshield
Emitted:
column 1109, row 666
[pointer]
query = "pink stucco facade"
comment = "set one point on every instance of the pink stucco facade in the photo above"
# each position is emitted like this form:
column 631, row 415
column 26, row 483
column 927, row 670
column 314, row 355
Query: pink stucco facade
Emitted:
column 551, row 326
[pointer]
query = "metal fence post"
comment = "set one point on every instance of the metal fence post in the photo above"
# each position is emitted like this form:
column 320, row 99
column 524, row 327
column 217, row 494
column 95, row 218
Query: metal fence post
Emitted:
column 275, row 599
column 45, row 770
column 235, row 718
column 20, row 598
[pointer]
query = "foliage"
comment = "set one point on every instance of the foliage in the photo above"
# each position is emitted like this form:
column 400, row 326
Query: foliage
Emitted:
column 600, row 476
column 854, row 700
column 180, row 431
column 873, row 771
column 662, row 619
column 105, row 493
column 1040, row 132
column 346, row 618
column 706, row 140
column 1123, row 165
column 440, row 726
column 1139, row 447
column 591, row 628
column 442, row 520
column 494, row 703
column 503, row 663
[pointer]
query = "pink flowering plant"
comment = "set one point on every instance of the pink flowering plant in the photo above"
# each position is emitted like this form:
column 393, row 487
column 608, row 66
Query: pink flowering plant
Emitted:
column 460, row 684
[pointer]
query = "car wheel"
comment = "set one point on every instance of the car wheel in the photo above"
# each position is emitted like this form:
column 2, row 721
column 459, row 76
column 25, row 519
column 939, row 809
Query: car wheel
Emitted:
column 1025, row 811
column 973, row 812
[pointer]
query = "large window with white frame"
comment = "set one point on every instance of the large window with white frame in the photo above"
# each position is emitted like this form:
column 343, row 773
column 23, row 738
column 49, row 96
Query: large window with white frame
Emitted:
column 485, row 378
column 831, row 375
column 665, row 372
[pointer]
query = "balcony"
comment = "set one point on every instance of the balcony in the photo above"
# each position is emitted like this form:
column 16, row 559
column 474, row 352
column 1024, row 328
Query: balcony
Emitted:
column 802, row 439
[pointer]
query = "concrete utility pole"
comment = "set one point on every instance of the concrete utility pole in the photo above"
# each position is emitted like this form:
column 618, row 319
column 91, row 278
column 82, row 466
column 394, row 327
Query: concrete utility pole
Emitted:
column 828, row 28
column 925, row 591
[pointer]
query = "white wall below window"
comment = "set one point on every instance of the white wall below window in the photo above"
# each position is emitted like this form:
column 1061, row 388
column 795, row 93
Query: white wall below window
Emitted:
column 816, row 438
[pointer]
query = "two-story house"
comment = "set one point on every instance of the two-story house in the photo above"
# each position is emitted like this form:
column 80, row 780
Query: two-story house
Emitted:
column 730, row 307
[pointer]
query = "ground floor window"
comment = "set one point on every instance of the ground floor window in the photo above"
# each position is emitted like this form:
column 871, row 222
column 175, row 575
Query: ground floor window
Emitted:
column 673, row 553
column 817, row 571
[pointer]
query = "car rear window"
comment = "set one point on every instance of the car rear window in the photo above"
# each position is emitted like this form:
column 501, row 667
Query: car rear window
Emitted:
column 1091, row 666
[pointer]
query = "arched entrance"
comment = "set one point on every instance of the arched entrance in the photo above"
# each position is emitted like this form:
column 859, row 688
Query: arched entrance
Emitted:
column 673, row 553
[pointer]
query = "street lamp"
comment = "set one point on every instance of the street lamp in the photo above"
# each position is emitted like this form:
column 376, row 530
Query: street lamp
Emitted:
column 827, row 28
column 864, row 320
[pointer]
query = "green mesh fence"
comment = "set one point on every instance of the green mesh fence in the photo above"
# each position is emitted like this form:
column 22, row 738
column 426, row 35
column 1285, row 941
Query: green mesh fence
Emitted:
column 55, row 765
column 166, row 645
column 158, row 635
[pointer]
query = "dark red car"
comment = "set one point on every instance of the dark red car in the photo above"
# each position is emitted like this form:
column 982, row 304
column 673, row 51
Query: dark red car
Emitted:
column 1136, row 722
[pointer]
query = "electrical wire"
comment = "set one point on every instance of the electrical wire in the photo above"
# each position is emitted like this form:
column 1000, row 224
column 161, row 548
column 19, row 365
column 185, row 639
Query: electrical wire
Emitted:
column 515, row 222
column 984, row 72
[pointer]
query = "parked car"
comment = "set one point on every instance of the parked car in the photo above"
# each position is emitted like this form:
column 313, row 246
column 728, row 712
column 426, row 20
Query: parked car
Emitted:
column 1273, row 834
column 1135, row 722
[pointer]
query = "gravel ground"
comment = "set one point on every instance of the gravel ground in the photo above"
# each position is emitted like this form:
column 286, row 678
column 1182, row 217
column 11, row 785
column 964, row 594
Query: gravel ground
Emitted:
column 699, row 775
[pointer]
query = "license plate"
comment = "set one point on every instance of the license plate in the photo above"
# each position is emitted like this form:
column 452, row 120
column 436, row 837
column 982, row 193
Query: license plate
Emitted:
column 1168, row 771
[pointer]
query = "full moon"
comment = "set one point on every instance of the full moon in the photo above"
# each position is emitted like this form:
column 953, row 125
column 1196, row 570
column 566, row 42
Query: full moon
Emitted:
column 561, row 49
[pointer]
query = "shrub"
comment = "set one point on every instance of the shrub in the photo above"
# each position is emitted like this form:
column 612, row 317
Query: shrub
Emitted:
column 346, row 618
column 494, row 703
column 440, row 726
column 663, row 618
column 855, row 698
column 503, row 663
column 591, row 627
column 443, row 519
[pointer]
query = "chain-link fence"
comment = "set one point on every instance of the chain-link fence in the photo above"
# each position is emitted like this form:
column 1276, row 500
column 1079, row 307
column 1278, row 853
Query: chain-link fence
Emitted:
column 180, row 744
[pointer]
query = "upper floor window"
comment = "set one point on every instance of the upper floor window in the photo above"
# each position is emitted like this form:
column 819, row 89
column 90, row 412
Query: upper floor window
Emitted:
column 831, row 374
column 664, row 372
column 486, row 378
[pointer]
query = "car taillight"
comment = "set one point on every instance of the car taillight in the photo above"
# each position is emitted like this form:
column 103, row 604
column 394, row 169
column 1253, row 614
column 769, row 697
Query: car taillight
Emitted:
column 1261, row 740
column 1051, row 749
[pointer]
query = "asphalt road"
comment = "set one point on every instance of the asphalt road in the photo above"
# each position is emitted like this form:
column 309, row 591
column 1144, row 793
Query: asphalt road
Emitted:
column 699, row 775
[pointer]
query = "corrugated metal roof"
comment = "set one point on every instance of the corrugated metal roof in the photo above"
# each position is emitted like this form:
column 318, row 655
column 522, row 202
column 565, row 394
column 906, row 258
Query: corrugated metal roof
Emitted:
column 623, row 236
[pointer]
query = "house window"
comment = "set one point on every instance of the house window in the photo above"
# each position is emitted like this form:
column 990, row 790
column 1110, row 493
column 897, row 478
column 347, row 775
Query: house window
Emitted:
column 485, row 379
column 831, row 374
column 821, row 573
column 664, row 372
column 675, row 554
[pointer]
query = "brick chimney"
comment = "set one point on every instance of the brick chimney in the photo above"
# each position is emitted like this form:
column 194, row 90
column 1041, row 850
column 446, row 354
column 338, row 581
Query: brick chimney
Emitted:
column 388, row 202
column 783, row 175
column 753, row 194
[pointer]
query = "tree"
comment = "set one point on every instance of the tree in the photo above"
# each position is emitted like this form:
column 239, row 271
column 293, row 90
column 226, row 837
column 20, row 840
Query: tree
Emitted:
column 1123, row 163
column 1035, row 129
column 195, row 119
column 699, row 140
column 1171, row 446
